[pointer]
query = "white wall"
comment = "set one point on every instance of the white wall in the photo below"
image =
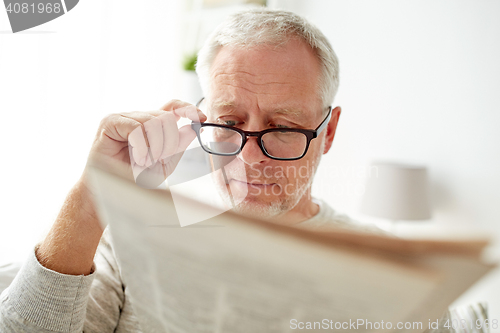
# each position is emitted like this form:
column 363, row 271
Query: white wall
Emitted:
column 420, row 82
column 55, row 87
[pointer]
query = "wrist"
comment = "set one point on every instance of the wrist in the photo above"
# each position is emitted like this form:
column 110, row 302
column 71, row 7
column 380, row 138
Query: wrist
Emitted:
column 70, row 245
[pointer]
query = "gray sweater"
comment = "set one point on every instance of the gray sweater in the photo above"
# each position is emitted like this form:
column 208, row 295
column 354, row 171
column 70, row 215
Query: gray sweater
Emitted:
column 42, row 300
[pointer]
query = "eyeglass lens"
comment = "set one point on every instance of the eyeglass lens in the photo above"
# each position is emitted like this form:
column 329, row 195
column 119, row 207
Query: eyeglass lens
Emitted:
column 220, row 140
column 279, row 144
column 284, row 144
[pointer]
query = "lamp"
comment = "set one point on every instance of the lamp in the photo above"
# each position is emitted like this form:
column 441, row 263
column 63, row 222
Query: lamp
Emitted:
column 397, row 192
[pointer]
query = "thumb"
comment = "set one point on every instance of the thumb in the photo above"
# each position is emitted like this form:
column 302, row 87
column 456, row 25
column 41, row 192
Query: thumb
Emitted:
column 186, row 136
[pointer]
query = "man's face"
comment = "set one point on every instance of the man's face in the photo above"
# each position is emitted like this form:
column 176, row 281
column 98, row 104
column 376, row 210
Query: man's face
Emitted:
column 259, row 88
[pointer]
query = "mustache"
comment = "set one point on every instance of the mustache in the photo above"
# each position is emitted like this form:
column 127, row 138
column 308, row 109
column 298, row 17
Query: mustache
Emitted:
column 256, row 175
column 239, row 170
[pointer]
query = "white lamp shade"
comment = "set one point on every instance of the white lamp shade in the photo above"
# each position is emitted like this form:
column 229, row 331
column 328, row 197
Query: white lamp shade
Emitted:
column 397, row 192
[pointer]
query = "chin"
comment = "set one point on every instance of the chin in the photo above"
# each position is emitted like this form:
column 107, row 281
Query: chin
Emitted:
column 260, row 206
column 260, row 210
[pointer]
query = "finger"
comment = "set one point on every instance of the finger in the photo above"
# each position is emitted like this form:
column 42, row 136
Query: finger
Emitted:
column 137, row 140
column 155, row 140
column 142, row 116
column 136, row 168
column 170, row 134
column 119, row 128
column 158, row 131
column 191, row 112
column 186, row 136
column 176, row 106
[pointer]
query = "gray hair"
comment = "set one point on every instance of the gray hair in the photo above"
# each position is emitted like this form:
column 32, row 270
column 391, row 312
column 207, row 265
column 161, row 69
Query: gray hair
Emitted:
column 274, row 27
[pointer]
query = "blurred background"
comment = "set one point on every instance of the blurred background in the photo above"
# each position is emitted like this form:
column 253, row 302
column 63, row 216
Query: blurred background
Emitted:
column 419, row 84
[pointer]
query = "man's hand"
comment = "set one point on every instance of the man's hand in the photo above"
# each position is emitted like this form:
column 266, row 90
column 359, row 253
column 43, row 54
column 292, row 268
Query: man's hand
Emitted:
column 143, row 139
column 70, row 246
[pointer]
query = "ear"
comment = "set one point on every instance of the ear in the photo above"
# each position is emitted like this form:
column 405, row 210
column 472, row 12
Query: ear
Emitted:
column 331, row 128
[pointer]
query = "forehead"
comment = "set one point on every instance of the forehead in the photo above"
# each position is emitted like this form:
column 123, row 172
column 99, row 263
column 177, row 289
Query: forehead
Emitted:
column 267, row 77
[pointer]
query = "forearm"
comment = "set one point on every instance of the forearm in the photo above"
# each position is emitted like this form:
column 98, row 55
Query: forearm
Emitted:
column 70, row 245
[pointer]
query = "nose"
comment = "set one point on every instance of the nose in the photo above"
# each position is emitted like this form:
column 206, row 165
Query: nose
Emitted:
column 251, row 152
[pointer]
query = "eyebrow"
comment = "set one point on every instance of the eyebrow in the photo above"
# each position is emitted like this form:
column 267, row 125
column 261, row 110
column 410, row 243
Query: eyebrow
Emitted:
column 229, row 106
column 284, row 111
column 290, row 112
column 223, row 105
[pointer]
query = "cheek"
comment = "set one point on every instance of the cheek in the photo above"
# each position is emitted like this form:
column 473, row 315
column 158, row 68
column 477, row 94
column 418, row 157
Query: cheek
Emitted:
column 295, row 172
column 316, row 146
column 218, row 179
column 314, row 154
column 304, row 169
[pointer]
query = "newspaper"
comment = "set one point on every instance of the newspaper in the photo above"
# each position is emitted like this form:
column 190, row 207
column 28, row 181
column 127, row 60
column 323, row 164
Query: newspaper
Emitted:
column 235, row 274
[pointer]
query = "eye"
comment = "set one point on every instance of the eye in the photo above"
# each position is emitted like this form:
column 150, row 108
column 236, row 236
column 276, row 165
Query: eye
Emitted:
column 229, row 122
column 284, row 127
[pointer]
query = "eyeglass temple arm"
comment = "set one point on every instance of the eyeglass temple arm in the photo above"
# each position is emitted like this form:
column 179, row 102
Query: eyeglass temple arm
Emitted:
column 199, row 102
column 324, row 123
column 194, row 124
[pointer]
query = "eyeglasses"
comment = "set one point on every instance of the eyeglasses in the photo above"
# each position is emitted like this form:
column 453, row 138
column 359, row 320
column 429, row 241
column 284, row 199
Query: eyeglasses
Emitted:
column 285, row 144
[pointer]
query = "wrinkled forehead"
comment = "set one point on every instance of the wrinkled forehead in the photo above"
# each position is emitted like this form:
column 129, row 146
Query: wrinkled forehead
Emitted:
column 282, row 79
column 227, row 107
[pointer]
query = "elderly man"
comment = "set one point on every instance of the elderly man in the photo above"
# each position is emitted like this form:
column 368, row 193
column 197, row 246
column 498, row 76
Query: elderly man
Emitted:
column 269, row 79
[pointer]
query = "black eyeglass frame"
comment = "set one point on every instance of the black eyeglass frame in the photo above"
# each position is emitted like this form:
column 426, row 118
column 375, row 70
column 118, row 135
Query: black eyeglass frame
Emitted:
column 310, row 134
